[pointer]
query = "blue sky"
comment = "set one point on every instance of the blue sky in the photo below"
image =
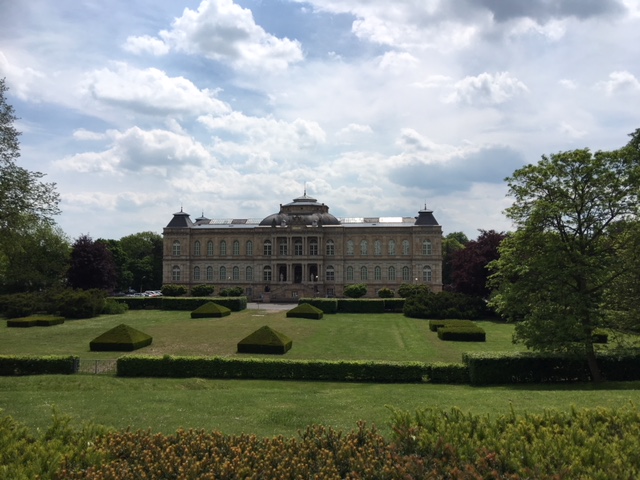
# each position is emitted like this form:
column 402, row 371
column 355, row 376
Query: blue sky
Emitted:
column 136, row 108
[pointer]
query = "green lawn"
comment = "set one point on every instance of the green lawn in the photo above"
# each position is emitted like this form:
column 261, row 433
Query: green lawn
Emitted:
column 268, row 408
column 349, row 337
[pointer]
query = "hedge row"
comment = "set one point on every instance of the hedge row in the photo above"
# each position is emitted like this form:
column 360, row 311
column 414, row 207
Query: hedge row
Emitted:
column 356, row 305
column 462, row 334
column 491, row 368
column 449, row 373
column 13, row 365
column 434, row 325
column 35, row 321
column 267, row 369
column 235, row 304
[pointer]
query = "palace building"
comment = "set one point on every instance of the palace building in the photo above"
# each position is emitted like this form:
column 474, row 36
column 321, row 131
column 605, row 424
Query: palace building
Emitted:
column 303, row 251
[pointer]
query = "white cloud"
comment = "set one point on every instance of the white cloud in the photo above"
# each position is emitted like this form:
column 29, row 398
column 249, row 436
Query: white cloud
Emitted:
column 568, row 84
column 487, row 89
column 82, row 134
column 569, row 130
column 620, row 82
column 223, row 31
column 20, row 79
column 137, row 150
column 146, row 44
column 150, row 91
column 243, row 135
column 355, row 128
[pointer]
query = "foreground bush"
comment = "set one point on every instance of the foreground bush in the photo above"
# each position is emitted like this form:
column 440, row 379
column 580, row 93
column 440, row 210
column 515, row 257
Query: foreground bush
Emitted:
column 445, row 305
column 25, row 455
column 586, row 444
column 11, row 365
column 202, row 290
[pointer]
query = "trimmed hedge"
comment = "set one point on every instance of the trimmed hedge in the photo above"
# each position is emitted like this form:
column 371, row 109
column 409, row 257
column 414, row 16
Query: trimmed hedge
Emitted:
column 14, row 365
column 265, row 340
column 210, row 310
column 361, row 305
column 271, row 369
column 235, row 304
column 122, row 338
column 304, row 310
column 327, row 305
column 462, row 334
column 393, row 305
column 434, row 325
column 492, row 368
column 449, row 373
column 35, row 321
column 141, row 303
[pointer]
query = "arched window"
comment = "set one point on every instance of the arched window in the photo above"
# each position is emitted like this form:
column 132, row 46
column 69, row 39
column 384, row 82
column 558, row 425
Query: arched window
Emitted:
column 210, row 248
column 175, row 273
column 331, row 248
column 392, row 247
column 297, row 246
column 209, row 273
column 196, row 248
column 349, row 274
column 223, row 274
column 426, row 274
column 196, row 273
column 377, row 247
column 249, row 248
column 223, row 248
column 266, row 274
column 236, row 247
column 266, row 248
column 350, row 247
column 330, row 274
column 377, row 273
column 405, row 247
column 236, row 273
column 364, row 247
column 176, row 250
column 426, row 247
column 406, row 274
column 392, row 274
column 313, row 246
column 249, row 274
column 364, row 274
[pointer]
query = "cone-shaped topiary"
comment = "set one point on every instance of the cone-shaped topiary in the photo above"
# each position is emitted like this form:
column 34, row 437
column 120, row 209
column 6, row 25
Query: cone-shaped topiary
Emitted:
column 122, row 338
column 265, row 340
column 305, row 310
column 210, row 310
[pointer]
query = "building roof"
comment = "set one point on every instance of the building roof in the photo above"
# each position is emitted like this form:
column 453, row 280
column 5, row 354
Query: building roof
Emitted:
column 304, row 210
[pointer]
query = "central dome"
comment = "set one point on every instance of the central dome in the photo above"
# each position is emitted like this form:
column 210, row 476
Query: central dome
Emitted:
column 303, row 210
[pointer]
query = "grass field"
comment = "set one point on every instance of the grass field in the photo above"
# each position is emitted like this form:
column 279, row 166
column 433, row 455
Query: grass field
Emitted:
column 349, row 337
column 268, row 408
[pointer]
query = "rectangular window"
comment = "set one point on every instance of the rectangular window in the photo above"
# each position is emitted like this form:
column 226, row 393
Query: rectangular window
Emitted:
column 283, row 248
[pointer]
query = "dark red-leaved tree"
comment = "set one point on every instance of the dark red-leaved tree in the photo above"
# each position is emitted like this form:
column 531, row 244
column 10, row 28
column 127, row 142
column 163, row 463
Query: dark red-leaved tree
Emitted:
column 92, row 265
column 469, row 265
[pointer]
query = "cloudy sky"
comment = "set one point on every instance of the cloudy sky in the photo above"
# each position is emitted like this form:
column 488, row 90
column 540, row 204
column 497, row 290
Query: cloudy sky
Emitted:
column 136, row 108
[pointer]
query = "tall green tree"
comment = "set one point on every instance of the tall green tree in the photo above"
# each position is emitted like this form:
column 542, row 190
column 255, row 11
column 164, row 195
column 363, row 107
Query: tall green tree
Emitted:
column 144, row 253
column 575, row 213
column 38, row 258
column 25, row 201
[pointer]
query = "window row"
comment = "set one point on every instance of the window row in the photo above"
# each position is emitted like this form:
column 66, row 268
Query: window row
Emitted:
column 312, row 248
column 222, row 274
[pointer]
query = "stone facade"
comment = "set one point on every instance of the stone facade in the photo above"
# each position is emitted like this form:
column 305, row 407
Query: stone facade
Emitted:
column 303, row 251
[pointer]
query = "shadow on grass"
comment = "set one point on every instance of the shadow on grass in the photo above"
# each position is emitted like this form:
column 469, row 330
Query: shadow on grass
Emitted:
column 577, row 386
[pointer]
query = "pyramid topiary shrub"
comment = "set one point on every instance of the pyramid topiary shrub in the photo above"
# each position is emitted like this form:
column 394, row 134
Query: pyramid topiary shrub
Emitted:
column 304, row 310
column 122, row 338
column 265, row 340
column 210, row 310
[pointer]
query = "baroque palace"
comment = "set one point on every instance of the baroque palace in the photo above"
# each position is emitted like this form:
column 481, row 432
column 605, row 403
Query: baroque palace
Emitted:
column 303, row 251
